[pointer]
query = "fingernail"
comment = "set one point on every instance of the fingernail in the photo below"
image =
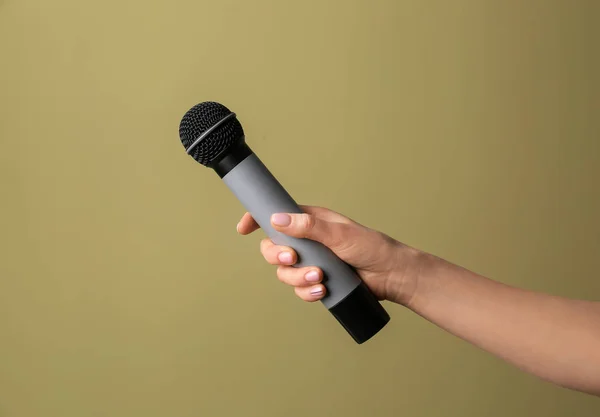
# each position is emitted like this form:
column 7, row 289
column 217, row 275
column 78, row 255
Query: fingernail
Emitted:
column 282, row 219
column 316, row 291
column 312, row 276
column 285, row 257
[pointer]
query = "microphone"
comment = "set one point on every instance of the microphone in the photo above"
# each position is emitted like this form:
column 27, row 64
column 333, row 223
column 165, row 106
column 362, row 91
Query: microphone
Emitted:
column 213, row 136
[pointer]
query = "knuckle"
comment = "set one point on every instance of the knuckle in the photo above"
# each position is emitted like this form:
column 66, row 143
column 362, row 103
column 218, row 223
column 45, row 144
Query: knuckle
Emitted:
column 271, row 257
column 300, row 293
column 281, row 275
column 264, row 244
column 264, row 254
column 307, row 222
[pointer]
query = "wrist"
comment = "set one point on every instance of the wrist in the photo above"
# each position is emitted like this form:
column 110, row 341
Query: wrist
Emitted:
column 403, row 282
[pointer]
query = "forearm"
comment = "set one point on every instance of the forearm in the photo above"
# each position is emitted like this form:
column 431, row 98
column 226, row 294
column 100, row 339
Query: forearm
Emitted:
column 555, row 338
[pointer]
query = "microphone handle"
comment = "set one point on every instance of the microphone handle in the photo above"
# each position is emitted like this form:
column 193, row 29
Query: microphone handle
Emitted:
column 347, row 298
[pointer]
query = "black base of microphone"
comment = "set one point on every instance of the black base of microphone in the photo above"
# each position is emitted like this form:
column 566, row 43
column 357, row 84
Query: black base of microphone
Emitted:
column 361, row 314
column 231, row 158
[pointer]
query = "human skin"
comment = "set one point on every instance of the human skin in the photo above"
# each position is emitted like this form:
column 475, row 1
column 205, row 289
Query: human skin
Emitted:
column 554, row 338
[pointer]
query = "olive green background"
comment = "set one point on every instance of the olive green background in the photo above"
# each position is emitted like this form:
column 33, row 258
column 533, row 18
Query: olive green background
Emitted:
column 465, row 128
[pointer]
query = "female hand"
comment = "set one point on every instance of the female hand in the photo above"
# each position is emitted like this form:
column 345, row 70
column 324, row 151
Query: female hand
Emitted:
column 380, row 261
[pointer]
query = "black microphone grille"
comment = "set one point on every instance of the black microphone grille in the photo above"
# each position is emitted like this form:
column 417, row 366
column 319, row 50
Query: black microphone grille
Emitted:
column 225, row 131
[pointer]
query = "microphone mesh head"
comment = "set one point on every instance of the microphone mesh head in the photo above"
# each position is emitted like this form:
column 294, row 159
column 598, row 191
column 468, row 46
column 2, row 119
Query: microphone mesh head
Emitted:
column 202, row 117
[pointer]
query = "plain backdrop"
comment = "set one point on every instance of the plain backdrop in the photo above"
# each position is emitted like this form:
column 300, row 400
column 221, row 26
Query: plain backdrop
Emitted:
column 468, row 129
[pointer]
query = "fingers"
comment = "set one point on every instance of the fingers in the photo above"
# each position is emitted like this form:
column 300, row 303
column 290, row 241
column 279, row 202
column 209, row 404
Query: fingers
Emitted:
column 277, row 255
column 317, row 223
column 306, row 281
column 310, row 294
column 299, row 277
column 247, row 224
column 336, row 236
column 326, row 214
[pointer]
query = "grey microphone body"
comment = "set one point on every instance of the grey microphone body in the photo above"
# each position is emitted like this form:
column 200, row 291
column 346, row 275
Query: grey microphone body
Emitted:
column 213, row 136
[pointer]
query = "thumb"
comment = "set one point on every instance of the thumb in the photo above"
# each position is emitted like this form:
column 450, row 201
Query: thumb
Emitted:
column 334, row 235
